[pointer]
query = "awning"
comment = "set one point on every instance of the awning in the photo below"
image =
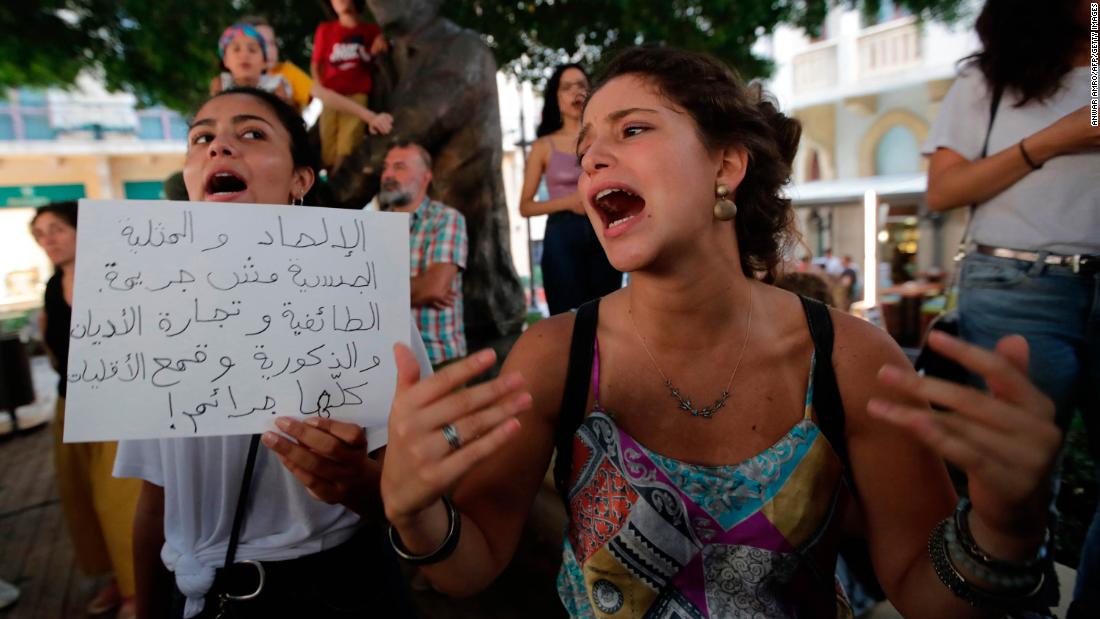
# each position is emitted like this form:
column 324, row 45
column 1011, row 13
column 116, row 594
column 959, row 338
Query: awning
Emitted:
column 848, row 191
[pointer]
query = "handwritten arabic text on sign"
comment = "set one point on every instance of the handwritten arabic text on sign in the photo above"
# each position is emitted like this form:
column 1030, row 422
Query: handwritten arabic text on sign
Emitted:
column 193, row 319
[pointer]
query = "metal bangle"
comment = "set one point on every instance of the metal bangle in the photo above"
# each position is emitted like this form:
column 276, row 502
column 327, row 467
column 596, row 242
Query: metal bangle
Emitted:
column 1010, row 584
column 966, row 540
column 955, row 582
column 945, row 571
column 445, row 549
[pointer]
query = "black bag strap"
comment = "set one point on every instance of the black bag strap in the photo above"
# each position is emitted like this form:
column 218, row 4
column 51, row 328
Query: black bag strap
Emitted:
column 994, row 105
column 575, row 396
column 827, row 402
column 242, row 501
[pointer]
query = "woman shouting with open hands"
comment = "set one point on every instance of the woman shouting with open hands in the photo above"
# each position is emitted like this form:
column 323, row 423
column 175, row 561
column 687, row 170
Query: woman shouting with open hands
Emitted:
column 713, row 430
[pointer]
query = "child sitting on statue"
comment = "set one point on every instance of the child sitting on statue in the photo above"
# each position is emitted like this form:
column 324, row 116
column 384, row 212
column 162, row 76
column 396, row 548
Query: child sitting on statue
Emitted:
column 342, row 53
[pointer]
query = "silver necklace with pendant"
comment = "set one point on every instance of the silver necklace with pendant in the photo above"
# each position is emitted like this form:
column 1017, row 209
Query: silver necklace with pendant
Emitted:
column 683, row 403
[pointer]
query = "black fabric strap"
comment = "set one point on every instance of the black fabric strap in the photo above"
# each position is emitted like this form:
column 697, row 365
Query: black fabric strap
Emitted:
column 242, row 501
column 827, row 403
column 994, row 104
column 575, row 396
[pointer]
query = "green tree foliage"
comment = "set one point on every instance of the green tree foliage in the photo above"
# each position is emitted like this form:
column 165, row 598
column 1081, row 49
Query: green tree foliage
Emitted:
column 165, row 51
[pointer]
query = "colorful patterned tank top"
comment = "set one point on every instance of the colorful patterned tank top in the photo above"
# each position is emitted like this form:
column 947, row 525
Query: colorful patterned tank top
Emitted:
column 650, row 536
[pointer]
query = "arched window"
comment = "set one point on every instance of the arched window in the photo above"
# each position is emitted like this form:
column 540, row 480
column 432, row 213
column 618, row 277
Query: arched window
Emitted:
column 897, row 152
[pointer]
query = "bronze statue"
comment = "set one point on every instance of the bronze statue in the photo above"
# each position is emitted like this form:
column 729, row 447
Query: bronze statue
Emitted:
column 439, row 83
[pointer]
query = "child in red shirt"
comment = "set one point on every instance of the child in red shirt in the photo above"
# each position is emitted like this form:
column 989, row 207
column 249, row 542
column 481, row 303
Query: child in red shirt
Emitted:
column 342, row 53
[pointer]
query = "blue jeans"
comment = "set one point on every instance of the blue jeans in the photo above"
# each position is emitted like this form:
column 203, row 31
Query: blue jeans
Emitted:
column 1058, row 312
column 575, row 268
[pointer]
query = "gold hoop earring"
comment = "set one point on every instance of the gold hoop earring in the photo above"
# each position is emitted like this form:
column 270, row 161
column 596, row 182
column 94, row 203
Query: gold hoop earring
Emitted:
column 724, row 208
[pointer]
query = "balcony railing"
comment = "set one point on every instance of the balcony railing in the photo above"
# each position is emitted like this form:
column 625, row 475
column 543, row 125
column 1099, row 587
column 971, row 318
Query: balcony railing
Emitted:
column 888, row 48
column 816, row 68
column 71, row 119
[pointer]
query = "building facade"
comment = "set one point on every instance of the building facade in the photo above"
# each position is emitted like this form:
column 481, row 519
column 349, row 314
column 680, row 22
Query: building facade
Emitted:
column 66, row 145
column 867, row 92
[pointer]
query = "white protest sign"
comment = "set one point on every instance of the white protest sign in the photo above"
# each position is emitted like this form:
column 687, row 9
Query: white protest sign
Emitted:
column 196, row 319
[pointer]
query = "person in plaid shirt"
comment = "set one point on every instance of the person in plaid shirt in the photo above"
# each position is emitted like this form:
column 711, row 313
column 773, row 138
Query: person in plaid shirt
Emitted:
column 437, row 239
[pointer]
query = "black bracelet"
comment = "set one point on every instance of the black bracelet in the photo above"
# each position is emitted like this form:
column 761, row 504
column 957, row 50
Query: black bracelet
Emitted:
column 450, row 542
column 1027, row 157
column 948, row 575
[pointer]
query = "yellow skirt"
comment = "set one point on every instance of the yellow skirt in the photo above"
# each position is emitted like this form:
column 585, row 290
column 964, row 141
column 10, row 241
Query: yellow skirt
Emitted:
column 98, row 507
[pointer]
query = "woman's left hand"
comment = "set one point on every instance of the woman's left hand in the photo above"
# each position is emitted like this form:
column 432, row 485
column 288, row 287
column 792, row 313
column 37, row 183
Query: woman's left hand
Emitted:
column 330, row 459
column 1005, row 440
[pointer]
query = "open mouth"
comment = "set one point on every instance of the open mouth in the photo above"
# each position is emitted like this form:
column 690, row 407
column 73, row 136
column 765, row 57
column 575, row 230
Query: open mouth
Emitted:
column 224, row 184
column 617, row 206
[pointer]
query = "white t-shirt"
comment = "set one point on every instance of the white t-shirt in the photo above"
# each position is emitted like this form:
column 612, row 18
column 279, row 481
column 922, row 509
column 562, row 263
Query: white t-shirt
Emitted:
column 201, row 478
column 1056, row 208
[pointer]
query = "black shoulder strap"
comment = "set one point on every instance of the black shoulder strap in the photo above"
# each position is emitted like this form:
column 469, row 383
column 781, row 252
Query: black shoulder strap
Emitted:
column 827, row 403
column 242, row 501
column 575, row 396
column 964, row 242
column 994, row 104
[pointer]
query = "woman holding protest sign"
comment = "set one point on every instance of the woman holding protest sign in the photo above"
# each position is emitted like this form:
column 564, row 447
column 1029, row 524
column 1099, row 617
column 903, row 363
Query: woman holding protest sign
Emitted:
column 237, row 530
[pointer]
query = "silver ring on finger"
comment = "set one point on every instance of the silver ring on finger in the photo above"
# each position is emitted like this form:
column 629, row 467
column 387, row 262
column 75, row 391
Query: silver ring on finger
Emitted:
column 451, row 434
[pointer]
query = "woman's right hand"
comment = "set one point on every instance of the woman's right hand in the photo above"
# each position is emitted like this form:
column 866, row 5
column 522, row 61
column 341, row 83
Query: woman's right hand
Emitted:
column 576, row 204
column 1069, row 134
column 420, row 465
column 380, row 124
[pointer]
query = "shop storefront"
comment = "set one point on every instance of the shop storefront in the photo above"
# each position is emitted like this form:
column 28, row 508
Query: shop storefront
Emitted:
column 904, row 251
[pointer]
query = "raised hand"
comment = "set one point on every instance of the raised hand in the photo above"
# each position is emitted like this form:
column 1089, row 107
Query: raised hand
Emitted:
column 577, row 204
column 421, row 463
column 1005, row 440
column 330, row 459
column 379, row 46
column 380, row 124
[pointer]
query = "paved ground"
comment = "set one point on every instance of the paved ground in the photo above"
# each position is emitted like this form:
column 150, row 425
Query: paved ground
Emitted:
column 35, row 553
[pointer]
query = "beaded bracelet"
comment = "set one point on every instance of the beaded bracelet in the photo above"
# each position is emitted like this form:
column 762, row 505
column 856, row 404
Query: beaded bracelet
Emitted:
column 940, row 553
column 1012, row 584
column 446, row 548
column 948, row 575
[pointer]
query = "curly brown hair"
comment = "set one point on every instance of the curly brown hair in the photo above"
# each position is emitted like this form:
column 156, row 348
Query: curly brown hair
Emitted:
column 729, row 113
